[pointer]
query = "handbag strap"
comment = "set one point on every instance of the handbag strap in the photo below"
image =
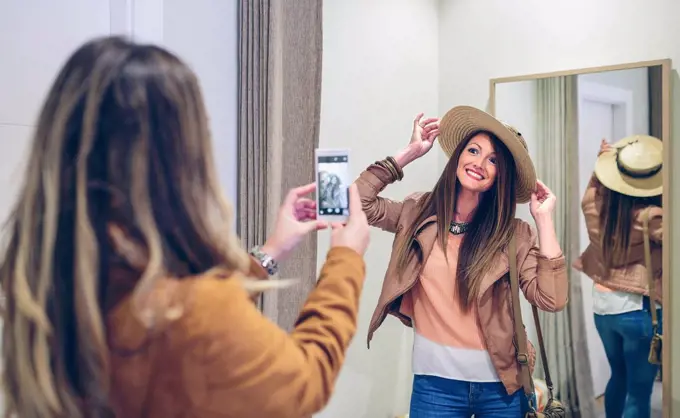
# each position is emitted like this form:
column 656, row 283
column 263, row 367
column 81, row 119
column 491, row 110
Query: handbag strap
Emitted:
column 521, row 343
column 650, row 273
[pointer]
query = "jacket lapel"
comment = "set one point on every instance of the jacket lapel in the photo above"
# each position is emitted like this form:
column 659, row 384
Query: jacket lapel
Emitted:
column 426, row 235
column 500, row 266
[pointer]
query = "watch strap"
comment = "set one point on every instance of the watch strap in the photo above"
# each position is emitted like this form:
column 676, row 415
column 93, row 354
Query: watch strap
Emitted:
column 265, row 260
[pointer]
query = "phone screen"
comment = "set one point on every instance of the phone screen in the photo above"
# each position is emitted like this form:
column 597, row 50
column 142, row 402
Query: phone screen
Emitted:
column 333, row 182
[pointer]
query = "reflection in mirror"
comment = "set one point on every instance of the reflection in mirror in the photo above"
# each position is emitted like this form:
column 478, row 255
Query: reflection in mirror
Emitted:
column 596, row 140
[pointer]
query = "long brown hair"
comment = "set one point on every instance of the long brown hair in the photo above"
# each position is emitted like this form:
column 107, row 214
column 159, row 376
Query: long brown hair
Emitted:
column 490, row 228
column 122, row 139
column 616, row 219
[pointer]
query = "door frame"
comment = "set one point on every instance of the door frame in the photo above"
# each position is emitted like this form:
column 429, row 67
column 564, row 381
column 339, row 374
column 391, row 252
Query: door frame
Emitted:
column 615, row 96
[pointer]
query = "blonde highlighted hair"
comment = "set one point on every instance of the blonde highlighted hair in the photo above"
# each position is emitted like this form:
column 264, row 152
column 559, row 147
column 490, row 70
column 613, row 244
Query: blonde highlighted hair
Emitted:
column 122, row 140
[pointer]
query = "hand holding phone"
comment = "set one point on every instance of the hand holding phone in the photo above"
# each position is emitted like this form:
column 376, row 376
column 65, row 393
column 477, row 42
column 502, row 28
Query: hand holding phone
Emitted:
column 296, row 219
column 355, row 234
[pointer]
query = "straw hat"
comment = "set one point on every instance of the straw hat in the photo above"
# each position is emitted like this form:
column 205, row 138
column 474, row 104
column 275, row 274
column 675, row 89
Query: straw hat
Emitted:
column 461, row 121
column 633, row 167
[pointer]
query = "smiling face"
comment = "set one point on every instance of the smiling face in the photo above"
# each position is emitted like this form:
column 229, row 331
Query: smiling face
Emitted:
column 477, row 164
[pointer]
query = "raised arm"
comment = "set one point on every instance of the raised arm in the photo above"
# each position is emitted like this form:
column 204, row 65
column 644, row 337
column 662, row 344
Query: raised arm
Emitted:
column 382, row 212
column 543, row 271
column 543, row 279
column 255, row 369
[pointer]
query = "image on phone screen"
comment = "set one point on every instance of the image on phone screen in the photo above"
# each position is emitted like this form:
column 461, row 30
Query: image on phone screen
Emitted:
column 333, row 181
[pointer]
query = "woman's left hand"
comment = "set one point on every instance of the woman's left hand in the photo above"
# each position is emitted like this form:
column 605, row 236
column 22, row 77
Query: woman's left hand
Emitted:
column 542, row 201
column 296, row 219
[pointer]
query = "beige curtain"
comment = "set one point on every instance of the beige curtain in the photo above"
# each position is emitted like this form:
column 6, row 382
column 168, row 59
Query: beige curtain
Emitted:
column 279, row 105
column 557, row 166
column 253, row 118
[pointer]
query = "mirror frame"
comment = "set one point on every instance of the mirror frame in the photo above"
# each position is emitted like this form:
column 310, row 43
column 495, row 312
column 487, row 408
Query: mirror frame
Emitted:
column 665, row 199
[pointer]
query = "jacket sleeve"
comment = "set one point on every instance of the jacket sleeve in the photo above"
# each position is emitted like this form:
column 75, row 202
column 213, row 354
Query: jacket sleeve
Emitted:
column 255, row 369
column 380, row 212
column 543, row 281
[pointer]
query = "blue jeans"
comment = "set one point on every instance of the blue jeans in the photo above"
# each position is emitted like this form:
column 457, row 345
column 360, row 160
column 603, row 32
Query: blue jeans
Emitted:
column 626, row 338
column 436, row 397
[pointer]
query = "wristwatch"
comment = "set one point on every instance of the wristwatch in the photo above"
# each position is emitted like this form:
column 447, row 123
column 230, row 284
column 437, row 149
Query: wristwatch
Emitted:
column 265, row 260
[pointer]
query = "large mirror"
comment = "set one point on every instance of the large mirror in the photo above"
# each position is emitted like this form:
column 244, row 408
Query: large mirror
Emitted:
column 597, row 349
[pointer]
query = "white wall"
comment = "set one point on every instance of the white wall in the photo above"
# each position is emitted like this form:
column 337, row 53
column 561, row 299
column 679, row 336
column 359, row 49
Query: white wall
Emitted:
column 204, row 33
column 37, row 36
column 497, row 38
column 35, row 39
column 379, row 71
column 635, row 83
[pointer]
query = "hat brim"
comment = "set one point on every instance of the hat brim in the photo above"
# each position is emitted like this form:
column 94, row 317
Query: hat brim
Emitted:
column 608, row 173
column 462, row 121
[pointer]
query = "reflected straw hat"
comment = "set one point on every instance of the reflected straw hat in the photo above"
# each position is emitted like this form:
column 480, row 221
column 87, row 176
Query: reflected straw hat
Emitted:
column 459, row 123
column 633, row 166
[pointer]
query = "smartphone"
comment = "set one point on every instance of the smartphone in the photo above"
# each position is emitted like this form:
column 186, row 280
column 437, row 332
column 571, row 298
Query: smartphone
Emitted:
column 332, row 184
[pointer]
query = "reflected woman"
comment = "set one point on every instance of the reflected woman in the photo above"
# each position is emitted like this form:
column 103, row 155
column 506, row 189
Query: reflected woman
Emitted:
column 448, row 272
column 332, row 194
column 626, row 185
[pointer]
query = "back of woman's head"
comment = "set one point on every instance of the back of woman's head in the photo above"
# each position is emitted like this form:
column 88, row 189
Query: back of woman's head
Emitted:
column 616, row 224
column 122, row 143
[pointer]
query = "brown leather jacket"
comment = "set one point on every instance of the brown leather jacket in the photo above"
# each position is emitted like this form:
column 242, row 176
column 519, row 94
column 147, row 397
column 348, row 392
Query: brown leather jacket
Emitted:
column 223, row 358
column 543, row 281
column 630, row 276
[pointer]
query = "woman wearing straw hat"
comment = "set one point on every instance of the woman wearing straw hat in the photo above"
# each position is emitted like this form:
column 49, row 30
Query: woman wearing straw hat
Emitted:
column 447, row 276
column 626, row 187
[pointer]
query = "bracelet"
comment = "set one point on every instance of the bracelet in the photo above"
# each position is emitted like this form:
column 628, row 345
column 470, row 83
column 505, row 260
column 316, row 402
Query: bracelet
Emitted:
column 395, row 166
column 387, row 166
column 265, row 260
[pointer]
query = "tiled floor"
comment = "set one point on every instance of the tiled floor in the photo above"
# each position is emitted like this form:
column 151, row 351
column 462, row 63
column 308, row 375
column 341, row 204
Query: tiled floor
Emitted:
column 657, row 405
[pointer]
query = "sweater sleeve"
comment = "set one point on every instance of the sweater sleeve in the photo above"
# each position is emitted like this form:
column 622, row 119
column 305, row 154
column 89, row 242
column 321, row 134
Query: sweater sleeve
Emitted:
column 256, row 369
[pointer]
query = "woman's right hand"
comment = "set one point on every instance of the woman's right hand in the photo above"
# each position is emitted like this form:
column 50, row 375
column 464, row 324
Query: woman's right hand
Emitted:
column 425, row 131
column 355, row 233
column 604, row 147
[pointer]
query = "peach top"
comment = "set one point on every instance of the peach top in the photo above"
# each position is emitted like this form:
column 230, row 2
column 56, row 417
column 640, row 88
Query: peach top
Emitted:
column 448, row 341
